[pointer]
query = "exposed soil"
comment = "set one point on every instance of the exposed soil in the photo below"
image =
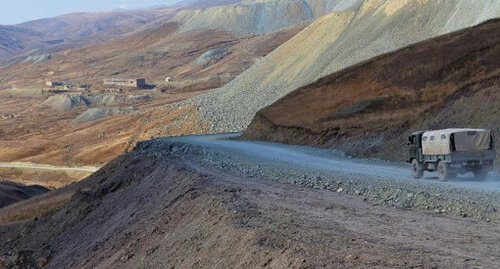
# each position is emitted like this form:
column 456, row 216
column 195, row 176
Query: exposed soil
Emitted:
column 367, row 110
column 146, row 212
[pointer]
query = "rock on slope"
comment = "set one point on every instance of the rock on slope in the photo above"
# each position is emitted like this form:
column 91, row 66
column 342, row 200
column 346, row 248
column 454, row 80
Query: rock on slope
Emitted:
column 334, row 42
column 368, row 109
column 259, row 17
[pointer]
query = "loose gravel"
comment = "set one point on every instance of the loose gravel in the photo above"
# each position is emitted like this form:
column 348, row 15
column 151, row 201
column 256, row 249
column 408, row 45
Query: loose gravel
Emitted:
column 332, row 43
column 390, row 190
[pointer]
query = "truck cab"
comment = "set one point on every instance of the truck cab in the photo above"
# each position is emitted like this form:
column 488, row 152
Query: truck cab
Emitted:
column 451, row 152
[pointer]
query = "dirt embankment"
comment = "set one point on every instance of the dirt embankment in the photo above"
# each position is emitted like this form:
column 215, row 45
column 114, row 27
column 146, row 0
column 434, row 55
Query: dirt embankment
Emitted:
column 368, row 110
column 142, row 211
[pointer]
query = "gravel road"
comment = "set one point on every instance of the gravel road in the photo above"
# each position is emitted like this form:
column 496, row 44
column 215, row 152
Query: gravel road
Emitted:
column 378, row 181
column 330, row 161
column 48, row 167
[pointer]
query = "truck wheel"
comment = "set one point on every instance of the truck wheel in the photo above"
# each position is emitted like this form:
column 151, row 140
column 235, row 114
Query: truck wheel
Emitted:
column 444, row 172
column 416, row 169
column 480, row 174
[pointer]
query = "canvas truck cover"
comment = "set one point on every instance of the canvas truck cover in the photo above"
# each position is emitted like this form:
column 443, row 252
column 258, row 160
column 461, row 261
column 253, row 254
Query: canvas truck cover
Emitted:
column 466, row 140
column 472, row 141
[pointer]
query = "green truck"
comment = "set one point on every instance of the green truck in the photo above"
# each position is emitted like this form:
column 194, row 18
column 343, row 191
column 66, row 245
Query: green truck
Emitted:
column 451, row 152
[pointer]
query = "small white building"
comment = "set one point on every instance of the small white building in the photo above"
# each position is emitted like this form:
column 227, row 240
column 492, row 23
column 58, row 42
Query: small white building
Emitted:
column 169, row 79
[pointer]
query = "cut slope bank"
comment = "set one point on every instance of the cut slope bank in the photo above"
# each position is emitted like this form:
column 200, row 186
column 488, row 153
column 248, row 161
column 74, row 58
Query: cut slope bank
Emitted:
column 368, row 110
column 334, row 42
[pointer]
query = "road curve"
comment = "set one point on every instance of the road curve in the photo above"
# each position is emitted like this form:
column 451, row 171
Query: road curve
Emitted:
column 327, row 160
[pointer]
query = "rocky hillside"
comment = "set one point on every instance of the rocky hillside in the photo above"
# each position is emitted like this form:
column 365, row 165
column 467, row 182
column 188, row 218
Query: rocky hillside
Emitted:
column 15, row 40
column 368, row 109
column 259, row 17
column 334, row 42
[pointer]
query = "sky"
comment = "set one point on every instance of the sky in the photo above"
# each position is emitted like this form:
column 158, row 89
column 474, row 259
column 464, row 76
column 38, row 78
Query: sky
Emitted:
column 17, row 11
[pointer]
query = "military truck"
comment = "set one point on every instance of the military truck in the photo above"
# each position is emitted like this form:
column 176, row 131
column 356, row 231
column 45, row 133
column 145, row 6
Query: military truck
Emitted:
column 451, row 152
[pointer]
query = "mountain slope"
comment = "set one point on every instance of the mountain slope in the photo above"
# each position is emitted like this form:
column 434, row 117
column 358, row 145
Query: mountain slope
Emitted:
column 78, row 25
column 201, row 4
column 14, row 40
column 368, row 109
column 334, row 42
column 259, row 17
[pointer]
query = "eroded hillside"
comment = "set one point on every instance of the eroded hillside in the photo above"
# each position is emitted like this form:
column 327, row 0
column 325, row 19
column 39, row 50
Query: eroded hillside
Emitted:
column 259, row 17
column 368, row 110
column 334, row 42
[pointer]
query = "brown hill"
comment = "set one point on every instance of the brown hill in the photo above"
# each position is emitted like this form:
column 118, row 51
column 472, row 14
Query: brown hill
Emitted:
column 78, row 25
column 368, row 109
column 15, row 40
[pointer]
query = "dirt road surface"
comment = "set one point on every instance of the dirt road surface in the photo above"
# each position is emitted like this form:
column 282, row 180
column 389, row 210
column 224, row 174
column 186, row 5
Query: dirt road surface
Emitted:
column 145, row 211
column 33, row 166
column 329, row 161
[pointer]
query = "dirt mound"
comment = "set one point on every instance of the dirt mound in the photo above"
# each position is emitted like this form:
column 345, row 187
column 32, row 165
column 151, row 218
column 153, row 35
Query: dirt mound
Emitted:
column 368, row 110
column 66, row 102
column 332, row 43
column 93, row 114
column 122, row 99
column 11, row 192
column 212, row 56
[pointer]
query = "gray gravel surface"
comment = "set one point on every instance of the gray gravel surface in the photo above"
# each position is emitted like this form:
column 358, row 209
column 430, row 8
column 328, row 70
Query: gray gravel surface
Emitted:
column 331, row 44
column 259, row 17
column 378, row 181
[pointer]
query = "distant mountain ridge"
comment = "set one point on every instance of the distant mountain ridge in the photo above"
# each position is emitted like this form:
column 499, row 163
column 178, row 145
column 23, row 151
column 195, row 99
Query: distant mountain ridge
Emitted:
column 79, row 29
column 14, row 40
